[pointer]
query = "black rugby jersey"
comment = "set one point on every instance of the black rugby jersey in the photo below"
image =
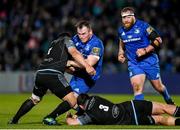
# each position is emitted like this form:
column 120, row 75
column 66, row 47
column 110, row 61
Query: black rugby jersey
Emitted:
column 57, row 55
column 102, row 111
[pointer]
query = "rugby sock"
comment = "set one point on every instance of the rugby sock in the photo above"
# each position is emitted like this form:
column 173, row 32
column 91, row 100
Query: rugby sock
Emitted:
column 79, row 111
column 62, row 108
column 166, row 96
column 177, row 112
column 177, row 121
column 25, row 107
column 139, row 97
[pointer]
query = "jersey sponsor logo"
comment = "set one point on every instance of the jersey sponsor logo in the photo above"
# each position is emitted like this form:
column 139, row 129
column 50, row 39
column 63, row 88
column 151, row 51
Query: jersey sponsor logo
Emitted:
column 115, row 111
column 91, row 103
column 132, row 40
column 48, row 59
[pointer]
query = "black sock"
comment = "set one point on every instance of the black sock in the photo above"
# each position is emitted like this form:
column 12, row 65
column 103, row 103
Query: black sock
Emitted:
column 177, row 121
column 177, row 112
column 25, row 107
column 80, row 111
column 60, row 109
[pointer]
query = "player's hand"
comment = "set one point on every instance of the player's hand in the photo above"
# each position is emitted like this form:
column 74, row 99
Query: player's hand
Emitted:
column 90, row 70
column 141, row 52
column 121, row 58
column 68, row 115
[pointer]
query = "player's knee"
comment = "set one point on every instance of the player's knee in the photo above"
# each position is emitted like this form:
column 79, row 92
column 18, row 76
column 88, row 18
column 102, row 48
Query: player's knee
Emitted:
column 71, row 99
column 35, row 99
column 136, row 87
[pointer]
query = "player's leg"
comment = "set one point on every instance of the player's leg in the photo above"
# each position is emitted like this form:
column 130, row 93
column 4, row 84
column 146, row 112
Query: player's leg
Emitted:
column 60, row 87
column 166, row 120
column 27, row 106
column 137, row 79
column 137, row 82
column 157, row 84
column 160, row 108
column 153, row 74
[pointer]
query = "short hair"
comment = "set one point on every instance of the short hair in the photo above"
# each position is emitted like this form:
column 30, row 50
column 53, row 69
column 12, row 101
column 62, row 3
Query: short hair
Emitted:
column 82, row 23
column 130, row 9
column 82, row 98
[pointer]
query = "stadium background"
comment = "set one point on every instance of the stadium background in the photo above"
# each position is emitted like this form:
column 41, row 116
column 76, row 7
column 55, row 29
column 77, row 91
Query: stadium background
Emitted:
column 27, row 26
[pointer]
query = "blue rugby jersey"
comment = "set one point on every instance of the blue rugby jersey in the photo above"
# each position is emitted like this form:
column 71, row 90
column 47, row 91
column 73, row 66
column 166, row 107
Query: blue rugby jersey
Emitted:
column 137, row 37
column 94, row 46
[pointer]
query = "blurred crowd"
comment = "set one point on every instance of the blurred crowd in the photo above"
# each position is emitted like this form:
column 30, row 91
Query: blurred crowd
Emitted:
column 28, row 26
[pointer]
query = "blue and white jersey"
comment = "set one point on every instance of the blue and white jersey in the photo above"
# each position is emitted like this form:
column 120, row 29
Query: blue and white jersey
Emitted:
column 137, row 37
column 94, row 46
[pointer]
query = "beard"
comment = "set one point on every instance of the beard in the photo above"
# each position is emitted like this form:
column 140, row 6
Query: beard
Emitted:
column 128, row 25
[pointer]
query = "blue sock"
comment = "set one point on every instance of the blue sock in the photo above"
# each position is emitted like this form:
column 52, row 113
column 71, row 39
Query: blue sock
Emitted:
column 165, row 94
column 139, row 97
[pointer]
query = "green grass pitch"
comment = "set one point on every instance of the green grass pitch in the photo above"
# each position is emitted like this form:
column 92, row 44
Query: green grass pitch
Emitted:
column 10, row 103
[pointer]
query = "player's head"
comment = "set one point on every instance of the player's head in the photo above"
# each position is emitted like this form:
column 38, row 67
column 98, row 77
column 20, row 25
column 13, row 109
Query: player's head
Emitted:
column 82, row 98
column 84, row 31
column 128, row 18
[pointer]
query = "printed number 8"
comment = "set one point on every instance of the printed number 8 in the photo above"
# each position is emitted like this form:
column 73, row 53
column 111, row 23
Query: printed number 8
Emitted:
column 105, row 108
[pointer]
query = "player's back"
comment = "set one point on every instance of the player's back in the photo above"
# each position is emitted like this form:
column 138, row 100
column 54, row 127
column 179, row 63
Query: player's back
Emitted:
column 57, row 56
column 104, row 112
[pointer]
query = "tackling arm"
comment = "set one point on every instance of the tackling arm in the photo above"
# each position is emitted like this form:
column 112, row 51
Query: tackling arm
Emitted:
column 79, row 58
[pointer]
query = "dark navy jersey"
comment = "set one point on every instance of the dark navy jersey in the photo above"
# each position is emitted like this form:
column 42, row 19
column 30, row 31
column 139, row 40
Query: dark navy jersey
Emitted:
column 137, row 37
column 57, row 55
column 93, row 46
column 101, row 111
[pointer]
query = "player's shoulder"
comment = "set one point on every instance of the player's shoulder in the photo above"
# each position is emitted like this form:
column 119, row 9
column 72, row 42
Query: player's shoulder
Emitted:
column 75, row 38
column 120, row 29
column 96, row 41
column 141, row 23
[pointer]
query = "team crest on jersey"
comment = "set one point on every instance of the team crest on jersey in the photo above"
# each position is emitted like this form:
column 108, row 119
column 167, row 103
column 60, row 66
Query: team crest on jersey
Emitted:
column 87, row 47
column 137, row 31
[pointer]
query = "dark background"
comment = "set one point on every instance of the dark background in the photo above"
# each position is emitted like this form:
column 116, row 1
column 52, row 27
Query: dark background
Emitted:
column 27, row 27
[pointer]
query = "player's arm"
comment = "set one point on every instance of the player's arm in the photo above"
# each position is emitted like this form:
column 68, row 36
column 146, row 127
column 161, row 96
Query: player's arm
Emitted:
column 79, row 58
column 121, row 56
column 72, row 121
column 78, row 120
column 91, row 59
column 155, row 40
